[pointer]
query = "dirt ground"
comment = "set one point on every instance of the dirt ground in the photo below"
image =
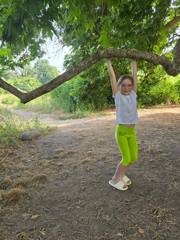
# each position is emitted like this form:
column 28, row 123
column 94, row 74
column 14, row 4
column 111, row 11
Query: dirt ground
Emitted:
column 56, row 187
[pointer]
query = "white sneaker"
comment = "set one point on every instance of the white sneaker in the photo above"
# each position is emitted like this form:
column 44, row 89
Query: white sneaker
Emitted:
column 119, row 185
column 126, row 180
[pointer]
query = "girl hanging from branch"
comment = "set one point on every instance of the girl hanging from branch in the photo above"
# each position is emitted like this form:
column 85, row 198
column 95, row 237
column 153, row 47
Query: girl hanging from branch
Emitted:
column 124, row 94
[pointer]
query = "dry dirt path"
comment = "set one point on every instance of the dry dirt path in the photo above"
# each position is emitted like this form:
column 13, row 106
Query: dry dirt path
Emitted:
column 73, row 199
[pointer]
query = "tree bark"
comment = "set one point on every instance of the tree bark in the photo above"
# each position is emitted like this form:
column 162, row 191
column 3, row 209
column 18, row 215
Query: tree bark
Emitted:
column 176, row 55
column 173, row 22
column 172, row 68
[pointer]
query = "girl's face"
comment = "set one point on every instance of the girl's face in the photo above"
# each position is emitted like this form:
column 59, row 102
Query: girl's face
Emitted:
column 126, row 86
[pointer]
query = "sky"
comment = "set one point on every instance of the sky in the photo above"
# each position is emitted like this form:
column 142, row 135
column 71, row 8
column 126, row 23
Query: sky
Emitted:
column 55, row 53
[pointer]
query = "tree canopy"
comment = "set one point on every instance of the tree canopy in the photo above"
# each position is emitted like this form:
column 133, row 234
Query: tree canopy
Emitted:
column 89, row 28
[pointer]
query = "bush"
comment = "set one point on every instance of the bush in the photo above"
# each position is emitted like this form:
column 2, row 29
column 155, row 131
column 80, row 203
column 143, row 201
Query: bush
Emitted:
column 177, row 86
column 164, row 92
column 25, row 84
column 89, row 91
column 155, row 87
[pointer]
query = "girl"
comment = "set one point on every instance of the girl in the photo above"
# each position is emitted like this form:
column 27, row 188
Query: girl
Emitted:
column 124, row 94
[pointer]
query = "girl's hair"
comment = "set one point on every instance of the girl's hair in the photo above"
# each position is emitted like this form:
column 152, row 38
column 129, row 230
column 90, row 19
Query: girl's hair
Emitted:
column 122, row 77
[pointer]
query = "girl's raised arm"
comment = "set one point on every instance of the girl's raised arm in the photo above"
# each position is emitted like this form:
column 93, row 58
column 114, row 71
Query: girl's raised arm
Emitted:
column 112, row 76
column 134, row 73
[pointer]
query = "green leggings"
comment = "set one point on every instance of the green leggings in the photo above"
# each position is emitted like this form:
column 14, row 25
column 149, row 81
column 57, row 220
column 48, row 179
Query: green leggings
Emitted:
column 127, row 143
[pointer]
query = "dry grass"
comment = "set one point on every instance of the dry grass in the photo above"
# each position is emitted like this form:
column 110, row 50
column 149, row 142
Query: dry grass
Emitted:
column 13, row 195
column 6, row 182
column 40, row 178
column 12, row 127
column 22, row 181
column 4, row 164
column 12, row 190
column 22, row 236
column 6, row 210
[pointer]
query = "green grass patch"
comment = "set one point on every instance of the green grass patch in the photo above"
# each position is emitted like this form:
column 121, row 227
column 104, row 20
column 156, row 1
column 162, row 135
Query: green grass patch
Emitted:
column 11, row 126
column 8, row 99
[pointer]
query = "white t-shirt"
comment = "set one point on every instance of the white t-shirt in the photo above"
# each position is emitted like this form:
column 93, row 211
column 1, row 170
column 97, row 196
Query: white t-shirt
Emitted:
column 126, row 111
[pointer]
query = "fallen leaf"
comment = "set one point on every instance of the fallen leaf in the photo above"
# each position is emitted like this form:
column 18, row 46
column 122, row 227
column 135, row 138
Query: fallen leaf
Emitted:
column 140, row 230
column 35, row 216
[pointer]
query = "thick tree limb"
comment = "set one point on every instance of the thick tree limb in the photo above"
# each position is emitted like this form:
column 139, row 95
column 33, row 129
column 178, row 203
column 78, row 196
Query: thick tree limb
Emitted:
column 84, row 64
column 11, row 89
column 173, row 22
column 176, row 55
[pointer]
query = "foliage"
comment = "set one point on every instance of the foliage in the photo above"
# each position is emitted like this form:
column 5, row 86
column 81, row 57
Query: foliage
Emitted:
column 155, row 87
column 25, row 84
column 87, row 26
column 83, row 25
column 164, row 92
column 44, row 72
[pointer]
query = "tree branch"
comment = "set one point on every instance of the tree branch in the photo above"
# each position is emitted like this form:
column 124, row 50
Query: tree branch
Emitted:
column 173, row 22
column 84, row 64
column 11, row 89
column 176, row 55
